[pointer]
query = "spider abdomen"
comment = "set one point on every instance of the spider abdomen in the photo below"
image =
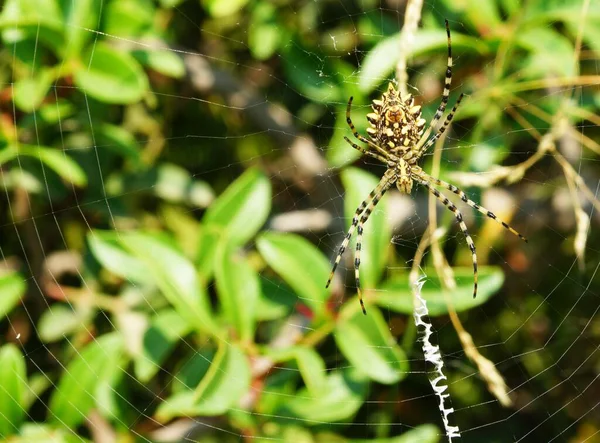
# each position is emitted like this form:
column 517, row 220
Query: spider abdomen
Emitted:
column 396, row 124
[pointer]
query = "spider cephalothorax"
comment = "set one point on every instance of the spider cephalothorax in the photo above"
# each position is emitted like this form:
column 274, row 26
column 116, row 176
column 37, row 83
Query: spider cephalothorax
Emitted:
column 397, row 138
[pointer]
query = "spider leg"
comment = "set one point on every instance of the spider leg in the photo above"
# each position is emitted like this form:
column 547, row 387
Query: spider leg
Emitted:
column 362, row 221
column 374, row 194
column 445, row 95
column 459, row 218
column 381, row 158
column 355, row 132
column 442, row 128
column 470, row 202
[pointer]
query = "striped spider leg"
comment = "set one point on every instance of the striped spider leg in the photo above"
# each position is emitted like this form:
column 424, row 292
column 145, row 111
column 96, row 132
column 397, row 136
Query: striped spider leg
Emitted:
column 426, row 180
column 361, row 216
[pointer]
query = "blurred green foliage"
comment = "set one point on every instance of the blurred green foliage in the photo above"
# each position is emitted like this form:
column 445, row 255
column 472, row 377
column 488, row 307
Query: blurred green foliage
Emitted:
column 142, row 282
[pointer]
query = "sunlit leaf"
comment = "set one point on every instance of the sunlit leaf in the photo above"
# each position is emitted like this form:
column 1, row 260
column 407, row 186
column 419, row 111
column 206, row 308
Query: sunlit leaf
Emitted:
column 310, row 364
column 396, row 294
column 128, row 18
column 222, row 8
column 340, row 400
column 30, row 91
column 377, row 231
column 81, row 16
column 62, row 320
column 111, row 76
column 299, row 263
column 264, row 33
column 75, row 394
column 419, row 434
column 366, row 341
column 176, row 278
column 382, row 59
column 163, row 61
column 40, row 20
column 55, row 159
column 12, row 288
column 226, row 381
column 243, row 208
column 106, row 248
column 13, row 382
column 238, row 289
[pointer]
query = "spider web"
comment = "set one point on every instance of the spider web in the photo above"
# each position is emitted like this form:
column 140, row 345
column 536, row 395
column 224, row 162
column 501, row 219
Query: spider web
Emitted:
column 231, row 112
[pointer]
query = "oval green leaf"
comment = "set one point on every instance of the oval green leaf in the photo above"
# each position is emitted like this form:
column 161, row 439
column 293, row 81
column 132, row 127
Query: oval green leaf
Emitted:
column 396, row 294
column 299, row 263
column 166, row 329
column 12, row 288
column 366, row 341
column 111, row 76
column 419, row 434
column 342, row 397
column 382, row 59
column 13, row 382
column 243, row 208
column 377, row 232
column 238, row 289
column 310, row 364
column 75, row 394
column 55, row 159
column 106, row 248
column 176, row 278
column 226, row 381
column 30, row 91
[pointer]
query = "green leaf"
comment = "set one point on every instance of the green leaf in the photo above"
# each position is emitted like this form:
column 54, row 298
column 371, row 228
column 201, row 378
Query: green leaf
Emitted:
column 366, row 341
column 396, row 294
column 166, row 329
column 75, row 393
column 57, row 160
column 377, row 231
column 243, row 208
column 106, row 248
column 310, row 74
column 264, row 33
column 111, row 76
column 162, row 61
column 340, row 400
column 419, row 434
column 238, row 289
column 382, row 59
column 276, row 299
column 43, row 433
column 128, row 18
column 176, row 278
column 548, row 52
column 81, row 16
column 119, row 140
column 12, row 288
column 300, row 264
column 222, row 8
column 31, row 91
column 310, row 365
column 38, row 20
column 210, row 236
column 62, row 320
column 13, row 382
column 226, row 381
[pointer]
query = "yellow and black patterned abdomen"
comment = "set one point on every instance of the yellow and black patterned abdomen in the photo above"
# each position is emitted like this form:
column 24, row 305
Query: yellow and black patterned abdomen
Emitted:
column 396, row 124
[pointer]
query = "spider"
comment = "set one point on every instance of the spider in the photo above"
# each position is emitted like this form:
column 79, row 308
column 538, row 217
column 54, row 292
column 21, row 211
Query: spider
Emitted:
column 398, row 138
